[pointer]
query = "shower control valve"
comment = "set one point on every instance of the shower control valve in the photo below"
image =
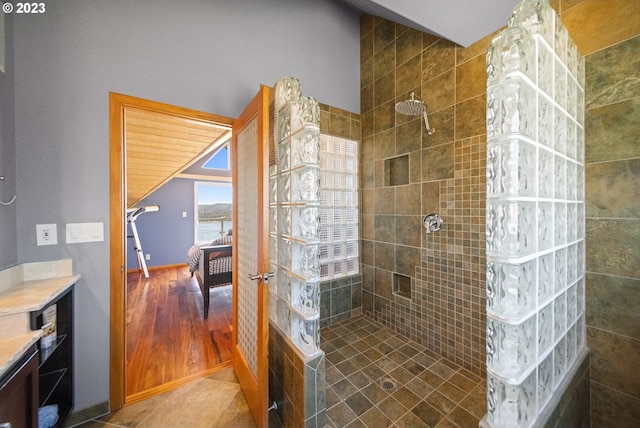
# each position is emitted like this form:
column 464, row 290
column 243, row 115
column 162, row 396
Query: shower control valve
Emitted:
column 432, row 222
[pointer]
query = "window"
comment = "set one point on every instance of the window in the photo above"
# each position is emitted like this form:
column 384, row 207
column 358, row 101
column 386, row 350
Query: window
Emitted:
column 213, row 210
column 339, row 227
column 219, row 160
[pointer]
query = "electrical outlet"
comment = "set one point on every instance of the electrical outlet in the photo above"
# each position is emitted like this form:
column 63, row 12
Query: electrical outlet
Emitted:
column 147, row 256
column 46, row 234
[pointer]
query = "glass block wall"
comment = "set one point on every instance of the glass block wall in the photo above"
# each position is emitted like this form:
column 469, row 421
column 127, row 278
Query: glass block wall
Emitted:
column 294, row 203
column 535, row 215
column 339, row 236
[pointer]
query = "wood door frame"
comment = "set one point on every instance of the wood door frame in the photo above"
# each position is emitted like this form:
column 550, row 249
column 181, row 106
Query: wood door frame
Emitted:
column 117, row 228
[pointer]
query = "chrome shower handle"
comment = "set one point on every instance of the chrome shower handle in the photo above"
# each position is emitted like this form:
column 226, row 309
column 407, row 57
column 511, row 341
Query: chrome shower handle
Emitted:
column 432, row 222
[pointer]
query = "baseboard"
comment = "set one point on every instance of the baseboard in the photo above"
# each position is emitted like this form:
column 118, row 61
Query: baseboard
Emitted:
column 175, row 265
column 88, row 414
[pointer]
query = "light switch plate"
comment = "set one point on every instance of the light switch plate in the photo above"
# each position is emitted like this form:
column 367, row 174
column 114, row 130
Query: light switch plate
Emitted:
column 84, row 232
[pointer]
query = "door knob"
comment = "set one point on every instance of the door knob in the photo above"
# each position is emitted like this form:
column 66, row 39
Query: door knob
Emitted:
column 257, row 276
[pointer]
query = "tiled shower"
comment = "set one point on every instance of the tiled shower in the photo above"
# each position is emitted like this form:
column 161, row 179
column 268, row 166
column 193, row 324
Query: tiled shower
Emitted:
column 447, row 175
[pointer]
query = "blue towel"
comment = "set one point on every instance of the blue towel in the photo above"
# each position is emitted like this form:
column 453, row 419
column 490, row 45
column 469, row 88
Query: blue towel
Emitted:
column 47, row 416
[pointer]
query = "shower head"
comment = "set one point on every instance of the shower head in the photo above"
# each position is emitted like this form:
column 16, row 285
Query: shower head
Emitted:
column 414, row 106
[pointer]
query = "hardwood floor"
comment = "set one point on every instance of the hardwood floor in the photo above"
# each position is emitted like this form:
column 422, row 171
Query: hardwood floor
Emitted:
column 168, row 340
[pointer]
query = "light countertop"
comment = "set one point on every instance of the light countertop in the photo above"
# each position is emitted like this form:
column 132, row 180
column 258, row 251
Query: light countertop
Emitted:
column 11, row 350
column 23, row 289
column 27, row 296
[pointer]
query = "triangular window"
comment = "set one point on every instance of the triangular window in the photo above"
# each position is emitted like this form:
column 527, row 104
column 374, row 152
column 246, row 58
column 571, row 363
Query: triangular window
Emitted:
column 219, row 160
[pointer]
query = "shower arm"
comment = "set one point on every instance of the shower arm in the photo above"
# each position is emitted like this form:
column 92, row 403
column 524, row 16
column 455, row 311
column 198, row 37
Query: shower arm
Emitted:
column 430, row 130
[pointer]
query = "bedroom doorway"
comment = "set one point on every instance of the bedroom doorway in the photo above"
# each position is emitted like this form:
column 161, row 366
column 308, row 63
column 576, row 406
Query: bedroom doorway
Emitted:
column 156, row 166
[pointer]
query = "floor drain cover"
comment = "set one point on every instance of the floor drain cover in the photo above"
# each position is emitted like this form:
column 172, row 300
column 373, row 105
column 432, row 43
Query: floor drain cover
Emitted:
column 388, row 384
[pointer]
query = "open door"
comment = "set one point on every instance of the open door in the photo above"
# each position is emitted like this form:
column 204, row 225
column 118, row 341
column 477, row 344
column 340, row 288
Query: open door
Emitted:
column 250, row 158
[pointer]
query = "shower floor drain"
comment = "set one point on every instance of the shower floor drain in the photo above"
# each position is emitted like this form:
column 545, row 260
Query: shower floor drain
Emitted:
column 388, row 384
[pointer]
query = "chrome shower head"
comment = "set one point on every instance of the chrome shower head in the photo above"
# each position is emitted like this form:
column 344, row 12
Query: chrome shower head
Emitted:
column 414, row 106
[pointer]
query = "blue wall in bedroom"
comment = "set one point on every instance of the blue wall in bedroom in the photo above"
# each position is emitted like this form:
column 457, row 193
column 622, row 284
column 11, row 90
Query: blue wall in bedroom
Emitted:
column 165, row 234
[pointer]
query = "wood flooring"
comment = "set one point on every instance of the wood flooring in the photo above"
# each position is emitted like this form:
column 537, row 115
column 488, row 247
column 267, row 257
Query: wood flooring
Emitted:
column 167, row 339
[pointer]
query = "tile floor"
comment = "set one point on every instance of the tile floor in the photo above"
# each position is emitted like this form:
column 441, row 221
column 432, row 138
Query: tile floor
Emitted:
column 214, row 401
column 430, row 391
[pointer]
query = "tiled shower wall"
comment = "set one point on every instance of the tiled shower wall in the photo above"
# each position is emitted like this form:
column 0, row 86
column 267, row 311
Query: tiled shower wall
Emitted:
column 448, row 267
column 446, row 175
column 613, row 226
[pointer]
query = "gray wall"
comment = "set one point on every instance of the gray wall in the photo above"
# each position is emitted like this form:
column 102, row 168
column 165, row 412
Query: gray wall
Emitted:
column 165, row 234
column 205, row 55
column 8, row 245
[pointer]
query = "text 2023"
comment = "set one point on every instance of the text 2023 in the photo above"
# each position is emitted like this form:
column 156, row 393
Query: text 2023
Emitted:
column 30, row 8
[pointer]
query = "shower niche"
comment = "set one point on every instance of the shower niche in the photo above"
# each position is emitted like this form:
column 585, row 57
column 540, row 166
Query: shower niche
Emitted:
column 396, row 171
column 402, row 286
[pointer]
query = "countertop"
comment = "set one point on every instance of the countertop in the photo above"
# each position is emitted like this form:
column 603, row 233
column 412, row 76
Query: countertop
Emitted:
column 23, row 289
column 11, row 350
column 27, row 296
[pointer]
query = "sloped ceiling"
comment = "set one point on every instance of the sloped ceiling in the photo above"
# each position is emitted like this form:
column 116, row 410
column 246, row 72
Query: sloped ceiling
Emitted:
column 159, row 146
column 462, row 21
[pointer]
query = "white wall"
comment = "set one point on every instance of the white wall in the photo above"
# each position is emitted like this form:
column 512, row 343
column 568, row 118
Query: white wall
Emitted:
column 206, row 55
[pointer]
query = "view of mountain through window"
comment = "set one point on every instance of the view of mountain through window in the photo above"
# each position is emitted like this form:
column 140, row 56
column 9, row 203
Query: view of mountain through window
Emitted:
column 214, row 205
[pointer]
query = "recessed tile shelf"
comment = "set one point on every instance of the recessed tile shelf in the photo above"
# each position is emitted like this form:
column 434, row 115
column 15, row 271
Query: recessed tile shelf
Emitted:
column 402, row 285
column 397, row 171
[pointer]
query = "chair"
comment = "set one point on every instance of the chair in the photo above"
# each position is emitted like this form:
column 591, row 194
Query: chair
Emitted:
column 215, row 270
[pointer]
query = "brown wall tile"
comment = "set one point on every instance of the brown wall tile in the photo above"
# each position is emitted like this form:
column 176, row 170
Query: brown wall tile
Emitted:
column 470, row 117
column 437, row 59
column 471, row 78
column 384, row 61
column 614, row 360
column 408, row 45
column 408, row 200
column 609, row 405
column 385, row 200
column 409, row 136
column 607, row 73
column 437, row 162
column 408, row 232
column 384, row 88
column 613, row 189
column 612, row 304
column 439, row 92
column 408, row 76
column 611, row 131
column 384, row 228
column 612, row 22
column 612, row 247
column 384, row 33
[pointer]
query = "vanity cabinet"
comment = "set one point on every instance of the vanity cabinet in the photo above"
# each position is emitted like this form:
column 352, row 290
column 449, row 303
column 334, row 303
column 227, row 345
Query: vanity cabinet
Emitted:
column 56, row 359
column 19, row 392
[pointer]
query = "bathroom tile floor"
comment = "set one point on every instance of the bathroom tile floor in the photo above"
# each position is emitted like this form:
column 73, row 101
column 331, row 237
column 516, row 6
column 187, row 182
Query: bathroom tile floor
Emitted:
column 377, row 378
column 214, row 401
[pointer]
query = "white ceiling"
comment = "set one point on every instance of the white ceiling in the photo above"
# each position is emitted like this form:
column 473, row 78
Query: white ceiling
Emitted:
column 461, row 21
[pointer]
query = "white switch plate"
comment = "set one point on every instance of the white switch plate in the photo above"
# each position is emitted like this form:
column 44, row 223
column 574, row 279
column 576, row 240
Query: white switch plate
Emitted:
column 46, row 234
column 84, row 232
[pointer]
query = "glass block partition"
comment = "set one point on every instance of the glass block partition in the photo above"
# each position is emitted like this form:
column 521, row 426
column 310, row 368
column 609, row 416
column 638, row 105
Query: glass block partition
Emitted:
column 535, row 216
column 339, row 237
column 294, row 207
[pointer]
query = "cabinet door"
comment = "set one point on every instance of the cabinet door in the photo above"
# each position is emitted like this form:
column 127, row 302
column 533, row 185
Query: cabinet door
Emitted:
column 19, row 394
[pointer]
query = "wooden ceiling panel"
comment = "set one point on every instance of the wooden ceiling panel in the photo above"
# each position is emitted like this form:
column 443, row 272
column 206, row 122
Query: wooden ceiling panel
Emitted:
column 159, row 146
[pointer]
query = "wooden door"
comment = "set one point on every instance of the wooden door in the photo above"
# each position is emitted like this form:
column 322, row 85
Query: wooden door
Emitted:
column 250, row 159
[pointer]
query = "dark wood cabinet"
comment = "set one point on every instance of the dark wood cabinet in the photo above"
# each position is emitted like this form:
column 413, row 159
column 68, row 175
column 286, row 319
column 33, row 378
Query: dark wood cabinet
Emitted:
column 56, row 360
column 19, row 393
